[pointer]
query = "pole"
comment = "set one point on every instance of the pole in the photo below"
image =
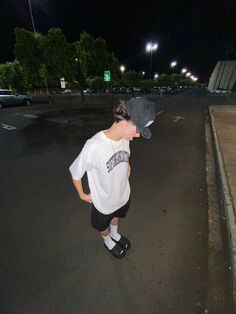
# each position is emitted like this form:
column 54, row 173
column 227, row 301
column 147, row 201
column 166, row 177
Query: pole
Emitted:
column 32, row 18
column 150, row 65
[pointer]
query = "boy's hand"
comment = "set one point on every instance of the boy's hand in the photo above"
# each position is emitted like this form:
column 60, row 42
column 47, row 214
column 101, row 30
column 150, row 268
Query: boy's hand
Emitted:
column 86, row 197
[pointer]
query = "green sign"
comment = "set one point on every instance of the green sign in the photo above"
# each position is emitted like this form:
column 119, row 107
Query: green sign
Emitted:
column 107, row 76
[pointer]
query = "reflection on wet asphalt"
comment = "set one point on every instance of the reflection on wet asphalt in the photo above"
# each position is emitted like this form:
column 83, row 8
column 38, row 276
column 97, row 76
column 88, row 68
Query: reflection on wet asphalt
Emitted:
column 65, row 127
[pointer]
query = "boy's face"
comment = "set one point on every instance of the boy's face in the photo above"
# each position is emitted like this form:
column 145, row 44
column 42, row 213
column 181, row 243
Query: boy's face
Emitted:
column 129, row 130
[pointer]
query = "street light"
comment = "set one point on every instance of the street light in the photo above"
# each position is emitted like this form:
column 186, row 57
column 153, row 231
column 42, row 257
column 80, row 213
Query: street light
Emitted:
column 173, row 64
column 156, row 75
column 150, row 47
column 184, row 70
column 32, row 18
column 193, row 78
column 122, row 69
column 188, row 74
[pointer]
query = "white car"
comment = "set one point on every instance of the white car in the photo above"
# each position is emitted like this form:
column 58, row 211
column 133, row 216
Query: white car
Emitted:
column 9, row 98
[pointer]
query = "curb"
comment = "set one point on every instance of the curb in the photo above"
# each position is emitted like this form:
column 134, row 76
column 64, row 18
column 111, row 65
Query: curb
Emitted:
column 227, row 201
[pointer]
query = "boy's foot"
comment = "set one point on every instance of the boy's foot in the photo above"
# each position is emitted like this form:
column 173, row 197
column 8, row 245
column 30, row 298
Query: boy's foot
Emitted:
column 116, row 251
column 123, row 242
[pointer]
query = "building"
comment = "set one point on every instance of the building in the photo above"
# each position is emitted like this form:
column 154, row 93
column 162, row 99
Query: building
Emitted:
column 223, row 77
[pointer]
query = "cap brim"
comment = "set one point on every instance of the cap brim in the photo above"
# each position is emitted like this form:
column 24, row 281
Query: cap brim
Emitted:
column 146, row 133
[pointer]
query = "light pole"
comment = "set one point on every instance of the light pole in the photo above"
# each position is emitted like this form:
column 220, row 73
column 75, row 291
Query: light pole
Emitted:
column 32, row 18
column 150, row 47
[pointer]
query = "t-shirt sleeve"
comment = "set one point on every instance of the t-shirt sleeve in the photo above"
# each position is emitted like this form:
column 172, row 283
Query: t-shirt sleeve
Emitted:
column 84, row 162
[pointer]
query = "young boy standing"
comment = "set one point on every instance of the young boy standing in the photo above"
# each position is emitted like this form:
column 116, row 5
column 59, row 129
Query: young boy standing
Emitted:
column 105, row 158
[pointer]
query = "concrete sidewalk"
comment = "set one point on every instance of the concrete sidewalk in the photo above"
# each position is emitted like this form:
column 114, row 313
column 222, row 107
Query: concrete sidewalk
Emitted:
column 223, row 122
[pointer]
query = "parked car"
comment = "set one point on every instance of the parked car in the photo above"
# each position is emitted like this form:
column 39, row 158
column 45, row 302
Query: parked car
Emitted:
column 61, row 91
column 89, row 91
column 9, row 98
column 67, row 91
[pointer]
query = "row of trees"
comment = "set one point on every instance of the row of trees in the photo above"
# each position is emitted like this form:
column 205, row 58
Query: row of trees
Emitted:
column 41, row 60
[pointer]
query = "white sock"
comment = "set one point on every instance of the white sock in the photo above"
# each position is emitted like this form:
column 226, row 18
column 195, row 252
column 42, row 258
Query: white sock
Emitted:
column 113, row 232
column 109, row 242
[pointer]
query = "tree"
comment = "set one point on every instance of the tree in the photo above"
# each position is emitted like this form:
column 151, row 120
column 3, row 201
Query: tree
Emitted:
column 57, row 55
column 28, row 53
column 94, row 56
column 12, row 75
column 92, row 59
column 164, row 80
column 131, row 78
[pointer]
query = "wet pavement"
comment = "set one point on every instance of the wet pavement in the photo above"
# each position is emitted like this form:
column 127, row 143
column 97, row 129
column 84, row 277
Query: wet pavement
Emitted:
column 52, row 261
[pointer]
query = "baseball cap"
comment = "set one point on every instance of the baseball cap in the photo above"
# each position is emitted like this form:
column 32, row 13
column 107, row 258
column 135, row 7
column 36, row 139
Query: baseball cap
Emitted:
column 142, row 113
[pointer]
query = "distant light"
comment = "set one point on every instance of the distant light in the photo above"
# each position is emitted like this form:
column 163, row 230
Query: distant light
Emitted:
column 156, row 75
column 173, row 64
column 194, row 78
column 151, row 47
column 143, row 73
column 184, row 70
column 122, row 68
column 188, row 74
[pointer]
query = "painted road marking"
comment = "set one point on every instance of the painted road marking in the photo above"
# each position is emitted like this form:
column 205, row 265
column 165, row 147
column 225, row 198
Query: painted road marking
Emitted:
column 160, row 112
column 58, row 120
column 33, row 116
column 178, row 118
column 8, row 127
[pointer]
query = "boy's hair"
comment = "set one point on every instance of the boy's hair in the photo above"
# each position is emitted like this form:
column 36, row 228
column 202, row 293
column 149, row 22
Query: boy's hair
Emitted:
column 120, row 111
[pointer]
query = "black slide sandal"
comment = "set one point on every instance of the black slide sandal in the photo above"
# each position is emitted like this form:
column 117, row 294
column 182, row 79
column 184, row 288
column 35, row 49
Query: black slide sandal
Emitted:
column 123, row 242
column 117, row 251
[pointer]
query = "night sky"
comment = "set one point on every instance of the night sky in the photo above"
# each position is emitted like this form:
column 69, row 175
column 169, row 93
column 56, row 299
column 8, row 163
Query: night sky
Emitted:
column 195, row 33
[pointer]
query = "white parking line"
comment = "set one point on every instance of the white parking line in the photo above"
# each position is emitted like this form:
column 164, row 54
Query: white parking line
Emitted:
column 8, row 127
column 178, row 118
column 33, row 116
column 58, row 120
column 160, row 112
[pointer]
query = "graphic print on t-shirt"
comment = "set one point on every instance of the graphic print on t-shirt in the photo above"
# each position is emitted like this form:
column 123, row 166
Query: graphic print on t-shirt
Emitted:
column 118, row 157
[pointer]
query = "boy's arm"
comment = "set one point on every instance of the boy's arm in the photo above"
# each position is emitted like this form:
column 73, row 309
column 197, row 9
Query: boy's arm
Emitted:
column 129, row 170
column 79, row 187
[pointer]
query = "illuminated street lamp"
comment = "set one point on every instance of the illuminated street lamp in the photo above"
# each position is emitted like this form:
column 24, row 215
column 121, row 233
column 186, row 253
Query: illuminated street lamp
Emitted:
column 188, row 74
column 173, row 64
column 143, row 73
column 122, row 69
column 32, row 18
column 156, row 75
column 193, row 78
column 184, row 70
column 150, row 47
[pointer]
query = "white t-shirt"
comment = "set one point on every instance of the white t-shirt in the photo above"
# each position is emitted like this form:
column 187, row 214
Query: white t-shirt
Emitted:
column 106, row 163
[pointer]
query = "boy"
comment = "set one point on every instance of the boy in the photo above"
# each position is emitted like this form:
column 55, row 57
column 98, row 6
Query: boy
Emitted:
column 105, row 158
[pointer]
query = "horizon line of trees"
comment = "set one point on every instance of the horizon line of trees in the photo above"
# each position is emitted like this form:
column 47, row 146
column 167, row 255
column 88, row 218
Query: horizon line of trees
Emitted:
column 42, row 60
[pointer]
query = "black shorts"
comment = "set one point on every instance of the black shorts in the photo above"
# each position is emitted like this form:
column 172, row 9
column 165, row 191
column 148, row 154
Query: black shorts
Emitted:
column 101, row 222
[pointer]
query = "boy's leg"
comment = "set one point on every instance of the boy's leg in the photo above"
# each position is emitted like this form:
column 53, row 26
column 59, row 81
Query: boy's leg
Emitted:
column 113, row 229
column 118, row 238
column 107, row 239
